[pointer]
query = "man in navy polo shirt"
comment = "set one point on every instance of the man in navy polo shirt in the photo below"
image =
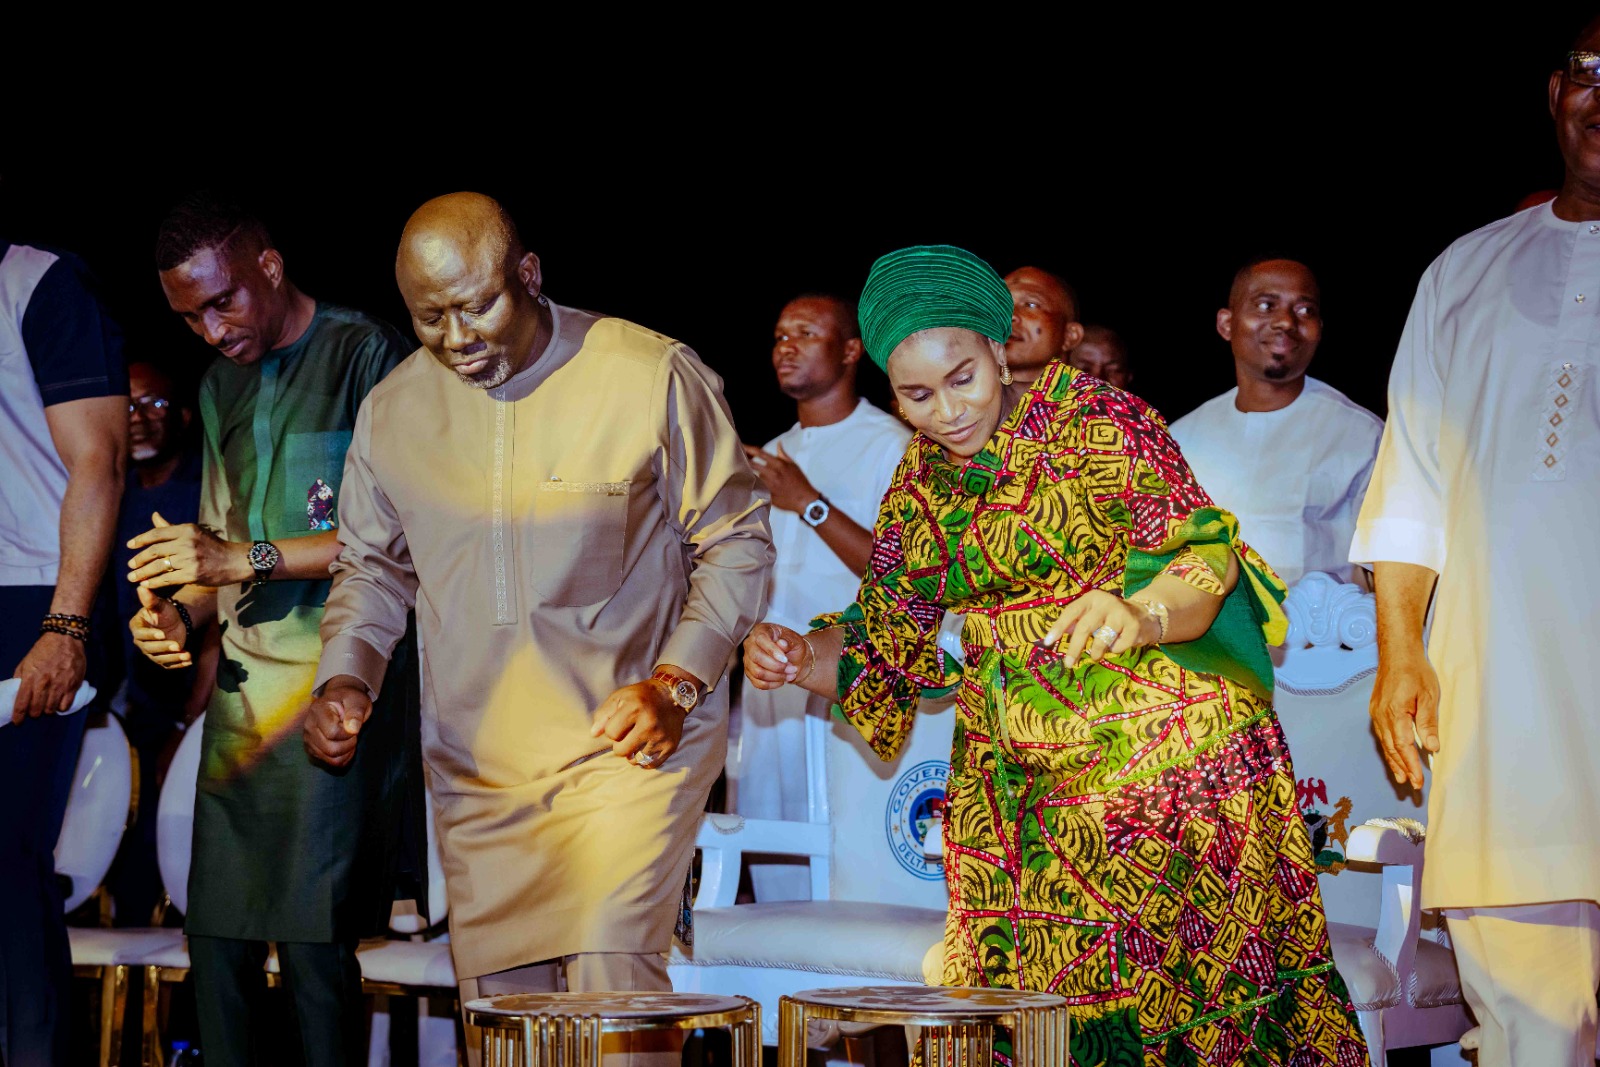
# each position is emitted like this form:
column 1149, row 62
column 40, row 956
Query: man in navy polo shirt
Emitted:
column 63, row 448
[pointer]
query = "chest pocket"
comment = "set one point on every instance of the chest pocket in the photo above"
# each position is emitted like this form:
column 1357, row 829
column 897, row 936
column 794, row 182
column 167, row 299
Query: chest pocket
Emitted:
column 581, row 529
column 311, row 479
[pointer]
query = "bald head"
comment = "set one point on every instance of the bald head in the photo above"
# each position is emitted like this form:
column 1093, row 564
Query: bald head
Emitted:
column 471, row 288
column 1044, row 321
column 458, row 225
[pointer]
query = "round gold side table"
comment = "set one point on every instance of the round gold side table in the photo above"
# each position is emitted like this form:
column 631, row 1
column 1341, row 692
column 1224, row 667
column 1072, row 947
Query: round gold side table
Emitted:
column 957, row 1022
column 563, row 1029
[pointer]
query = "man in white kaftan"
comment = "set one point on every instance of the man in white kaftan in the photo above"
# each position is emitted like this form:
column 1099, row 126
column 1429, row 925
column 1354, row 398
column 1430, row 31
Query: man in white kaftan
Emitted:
column 1290, row 456
column 826, row 474
column 1488, row 480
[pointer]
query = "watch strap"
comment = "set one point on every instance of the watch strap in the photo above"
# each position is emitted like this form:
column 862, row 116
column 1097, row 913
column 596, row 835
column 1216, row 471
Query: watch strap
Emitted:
column 827, row 510
column 685, row 693
column 260, row 550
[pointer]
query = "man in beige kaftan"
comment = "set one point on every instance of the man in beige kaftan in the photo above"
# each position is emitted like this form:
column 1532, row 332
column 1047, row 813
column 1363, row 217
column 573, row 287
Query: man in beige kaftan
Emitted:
column 564, row 498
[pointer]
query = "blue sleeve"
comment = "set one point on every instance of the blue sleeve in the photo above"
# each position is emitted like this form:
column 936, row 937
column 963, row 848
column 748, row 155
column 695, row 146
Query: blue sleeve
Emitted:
column 74, row 346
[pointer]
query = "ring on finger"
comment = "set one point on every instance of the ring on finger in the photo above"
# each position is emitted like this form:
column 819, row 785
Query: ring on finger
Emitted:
column 170, row 566
column 642, row 758
column 1105, row 635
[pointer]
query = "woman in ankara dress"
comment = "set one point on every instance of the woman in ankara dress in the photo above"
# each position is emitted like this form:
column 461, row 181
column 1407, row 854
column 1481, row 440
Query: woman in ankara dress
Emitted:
column 1122, row 826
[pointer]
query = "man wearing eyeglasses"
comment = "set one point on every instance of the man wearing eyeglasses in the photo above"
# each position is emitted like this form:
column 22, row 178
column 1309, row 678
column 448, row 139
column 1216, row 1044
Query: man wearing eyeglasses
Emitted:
column 156, row 704
column 1486, row 500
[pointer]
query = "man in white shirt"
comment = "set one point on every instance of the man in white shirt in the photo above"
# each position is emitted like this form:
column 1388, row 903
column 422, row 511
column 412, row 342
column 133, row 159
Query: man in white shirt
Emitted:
column 1486, row 495
column 1287, row 454
column 826, row 475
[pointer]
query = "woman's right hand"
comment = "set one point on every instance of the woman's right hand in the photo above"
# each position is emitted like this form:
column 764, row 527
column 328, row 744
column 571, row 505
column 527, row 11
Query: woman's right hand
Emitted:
column 773, row 656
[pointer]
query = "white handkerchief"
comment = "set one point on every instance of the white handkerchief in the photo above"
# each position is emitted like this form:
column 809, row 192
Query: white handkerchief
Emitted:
column 8, row 698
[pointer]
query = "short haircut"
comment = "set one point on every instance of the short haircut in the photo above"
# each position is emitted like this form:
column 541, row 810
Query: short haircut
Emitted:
column 205, row 220
column 1253, row 262
column 1067, row 289
column 183, row 380
column 1093, row 333
column 1583, row 35
column 849, row 318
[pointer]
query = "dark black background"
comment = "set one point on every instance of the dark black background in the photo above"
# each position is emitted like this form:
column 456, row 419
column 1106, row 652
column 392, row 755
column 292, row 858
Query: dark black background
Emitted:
column 1144, row 166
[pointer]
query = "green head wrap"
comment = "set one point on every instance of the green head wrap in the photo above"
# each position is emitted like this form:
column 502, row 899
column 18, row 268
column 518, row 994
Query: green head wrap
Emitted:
column 927, row 286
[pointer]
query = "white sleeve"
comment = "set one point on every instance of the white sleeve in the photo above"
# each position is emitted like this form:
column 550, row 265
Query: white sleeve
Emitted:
column 891, row 448
column 1402, row 517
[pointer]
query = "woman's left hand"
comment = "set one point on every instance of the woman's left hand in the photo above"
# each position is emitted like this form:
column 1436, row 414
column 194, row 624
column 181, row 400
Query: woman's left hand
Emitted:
column 1135, row 625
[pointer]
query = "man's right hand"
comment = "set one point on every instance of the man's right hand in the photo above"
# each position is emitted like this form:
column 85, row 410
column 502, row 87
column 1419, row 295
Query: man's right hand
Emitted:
column 158, row 632
column 1405, row 712
column 334, row 720
column 51, row 673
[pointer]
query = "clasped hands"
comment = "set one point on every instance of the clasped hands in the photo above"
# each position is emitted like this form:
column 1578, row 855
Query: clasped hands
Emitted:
column 189, row 554
column 775, row 655
column 641, row 721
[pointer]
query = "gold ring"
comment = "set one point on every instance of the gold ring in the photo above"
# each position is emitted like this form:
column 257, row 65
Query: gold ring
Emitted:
column 170, row 567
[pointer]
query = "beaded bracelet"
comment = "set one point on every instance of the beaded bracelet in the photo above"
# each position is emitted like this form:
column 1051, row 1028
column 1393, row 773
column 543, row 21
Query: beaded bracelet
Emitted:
column 188, row 623
column 73, row 626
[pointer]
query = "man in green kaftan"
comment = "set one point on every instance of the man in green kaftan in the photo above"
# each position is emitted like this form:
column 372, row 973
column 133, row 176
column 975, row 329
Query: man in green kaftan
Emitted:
column 285, row 850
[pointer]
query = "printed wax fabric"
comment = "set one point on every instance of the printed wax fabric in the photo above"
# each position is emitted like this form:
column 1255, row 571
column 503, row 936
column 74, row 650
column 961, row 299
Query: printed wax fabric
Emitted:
column 1124, row 833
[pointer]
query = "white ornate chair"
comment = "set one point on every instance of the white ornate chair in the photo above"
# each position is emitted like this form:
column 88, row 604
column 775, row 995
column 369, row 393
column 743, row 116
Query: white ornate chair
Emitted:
column 396, row 967
column 104, row 798
column 1402, row 979
column 877, row 902
column 415, row 964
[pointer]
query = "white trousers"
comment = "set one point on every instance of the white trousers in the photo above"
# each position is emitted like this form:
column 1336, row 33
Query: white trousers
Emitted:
column 1529, row 974
column 770, row 778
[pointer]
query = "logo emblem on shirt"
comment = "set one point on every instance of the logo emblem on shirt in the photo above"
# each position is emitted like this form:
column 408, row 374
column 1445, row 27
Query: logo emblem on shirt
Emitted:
column 319, row 506
column 916, row 803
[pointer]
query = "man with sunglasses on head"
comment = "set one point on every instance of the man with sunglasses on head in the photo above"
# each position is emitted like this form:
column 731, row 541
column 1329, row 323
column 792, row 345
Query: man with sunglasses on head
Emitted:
column 1485, row 500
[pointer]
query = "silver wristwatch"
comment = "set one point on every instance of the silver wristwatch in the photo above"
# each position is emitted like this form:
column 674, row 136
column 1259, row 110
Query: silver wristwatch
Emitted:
column 816, row 513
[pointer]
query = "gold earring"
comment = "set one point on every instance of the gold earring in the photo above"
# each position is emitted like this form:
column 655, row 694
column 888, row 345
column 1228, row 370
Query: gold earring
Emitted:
column 902, row 412
column 1005, row 374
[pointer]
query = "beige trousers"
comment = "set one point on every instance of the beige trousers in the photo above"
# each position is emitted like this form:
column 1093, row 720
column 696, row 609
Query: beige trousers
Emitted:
column 1529, row 973
column 588, row 972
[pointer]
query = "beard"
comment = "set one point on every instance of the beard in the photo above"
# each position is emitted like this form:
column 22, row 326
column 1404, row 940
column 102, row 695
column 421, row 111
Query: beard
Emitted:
column 490, row 377
column 1276, row 372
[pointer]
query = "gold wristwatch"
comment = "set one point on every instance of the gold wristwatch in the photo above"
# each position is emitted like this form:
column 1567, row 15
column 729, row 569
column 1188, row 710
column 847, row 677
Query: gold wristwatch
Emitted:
column 684, row 692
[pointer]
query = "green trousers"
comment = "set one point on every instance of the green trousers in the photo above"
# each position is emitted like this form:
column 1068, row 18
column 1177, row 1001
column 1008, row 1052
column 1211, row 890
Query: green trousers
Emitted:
column 323, row 983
